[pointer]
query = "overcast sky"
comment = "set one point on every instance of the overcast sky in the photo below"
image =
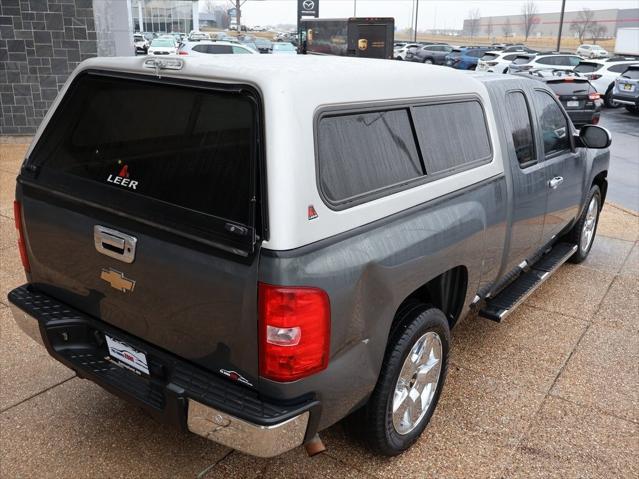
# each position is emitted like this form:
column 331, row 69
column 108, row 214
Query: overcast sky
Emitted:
column 432, row 13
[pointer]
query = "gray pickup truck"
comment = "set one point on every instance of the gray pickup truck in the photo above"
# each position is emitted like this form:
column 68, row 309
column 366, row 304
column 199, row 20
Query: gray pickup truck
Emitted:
column 253, row 257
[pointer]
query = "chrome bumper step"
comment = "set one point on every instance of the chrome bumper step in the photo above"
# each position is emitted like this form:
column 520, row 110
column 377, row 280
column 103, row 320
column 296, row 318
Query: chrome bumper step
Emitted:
column 500, row 306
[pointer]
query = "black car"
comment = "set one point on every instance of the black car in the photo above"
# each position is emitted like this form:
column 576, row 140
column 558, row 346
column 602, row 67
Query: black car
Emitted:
column 431, row 54
column 578, row 97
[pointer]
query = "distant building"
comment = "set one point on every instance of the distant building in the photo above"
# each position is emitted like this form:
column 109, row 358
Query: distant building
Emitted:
column 165, row 15
column 547, row 24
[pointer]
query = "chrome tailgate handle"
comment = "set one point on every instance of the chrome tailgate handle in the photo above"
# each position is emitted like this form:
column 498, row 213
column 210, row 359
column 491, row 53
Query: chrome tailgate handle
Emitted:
column 114, row 244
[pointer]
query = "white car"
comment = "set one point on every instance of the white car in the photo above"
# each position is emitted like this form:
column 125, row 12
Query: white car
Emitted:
column 283, row 48
column 208, row 47
column 163, row 46
column 554, row 61
column 602, row 75
column 591, row 51
column 140, row 44
column 195, row 36
column 400, row 53
column 496, row 61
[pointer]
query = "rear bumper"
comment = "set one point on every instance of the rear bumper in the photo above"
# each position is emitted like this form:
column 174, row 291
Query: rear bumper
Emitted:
column 626, row 100
column 583, row 117
column 176, row 392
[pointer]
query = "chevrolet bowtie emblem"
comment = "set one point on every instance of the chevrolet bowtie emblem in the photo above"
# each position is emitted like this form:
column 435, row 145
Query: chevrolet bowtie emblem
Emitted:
column 117, row 280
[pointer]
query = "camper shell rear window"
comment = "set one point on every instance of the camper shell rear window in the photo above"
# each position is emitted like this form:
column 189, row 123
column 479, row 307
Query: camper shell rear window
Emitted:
column 178, row 154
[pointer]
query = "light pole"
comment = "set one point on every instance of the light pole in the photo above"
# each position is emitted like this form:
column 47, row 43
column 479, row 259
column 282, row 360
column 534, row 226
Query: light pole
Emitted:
column 561, row 24
column 416, row 18
column 354, row 8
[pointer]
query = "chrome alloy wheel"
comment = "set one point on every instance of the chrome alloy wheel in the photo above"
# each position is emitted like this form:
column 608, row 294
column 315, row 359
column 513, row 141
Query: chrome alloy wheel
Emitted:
column 588, row 230
column 417, row 383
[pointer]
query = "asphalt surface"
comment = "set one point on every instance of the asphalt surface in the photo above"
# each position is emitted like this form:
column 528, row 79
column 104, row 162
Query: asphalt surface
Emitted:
column 623, row 176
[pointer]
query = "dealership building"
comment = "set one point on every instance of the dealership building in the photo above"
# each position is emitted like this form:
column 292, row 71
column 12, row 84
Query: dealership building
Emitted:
column 547, row 24
column 42, row 41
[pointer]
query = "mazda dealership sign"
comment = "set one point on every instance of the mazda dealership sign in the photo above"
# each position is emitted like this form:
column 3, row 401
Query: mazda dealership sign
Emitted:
column 308, row 8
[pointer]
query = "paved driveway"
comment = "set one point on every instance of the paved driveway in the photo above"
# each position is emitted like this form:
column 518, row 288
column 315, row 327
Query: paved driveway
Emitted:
column 553, row 391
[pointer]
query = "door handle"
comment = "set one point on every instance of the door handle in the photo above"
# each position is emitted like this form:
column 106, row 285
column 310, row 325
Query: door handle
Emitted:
column 555, row 182
column 114, row 244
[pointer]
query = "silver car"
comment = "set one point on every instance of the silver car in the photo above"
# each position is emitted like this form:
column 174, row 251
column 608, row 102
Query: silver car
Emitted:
column 626, row 89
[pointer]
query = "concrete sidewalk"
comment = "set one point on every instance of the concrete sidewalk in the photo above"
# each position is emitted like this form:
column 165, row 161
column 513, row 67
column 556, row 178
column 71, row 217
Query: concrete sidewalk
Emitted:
column 552, row 392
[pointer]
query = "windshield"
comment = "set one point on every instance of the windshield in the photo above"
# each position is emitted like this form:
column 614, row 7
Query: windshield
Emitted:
column 632, row 73
column 138, row 39
column 455, row 53
column 587, row 67
column 161, row 42
column 572, row 87
column 284, row 47
column 521, row 60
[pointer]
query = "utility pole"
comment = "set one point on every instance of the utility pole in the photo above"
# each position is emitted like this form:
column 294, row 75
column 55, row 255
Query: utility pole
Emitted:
column 238, row 12
column 354, row 8
column 561, row 24
column 416, row 18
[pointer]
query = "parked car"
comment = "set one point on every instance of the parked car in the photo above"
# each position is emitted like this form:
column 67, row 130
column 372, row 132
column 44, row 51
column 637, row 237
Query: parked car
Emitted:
column 263, row 45
column 465, row 58
column 519, row 48
column 430, row 54
column 601, row 75
column 140, row 44
column 255, row 286
column 283, row 48
column 208, row 47
column 163, row 46
column 195, row 36
column 579, row 98
column 552, row 60
column 591, row 51
column 496, row 61
column 626, row 89
column 399, row 53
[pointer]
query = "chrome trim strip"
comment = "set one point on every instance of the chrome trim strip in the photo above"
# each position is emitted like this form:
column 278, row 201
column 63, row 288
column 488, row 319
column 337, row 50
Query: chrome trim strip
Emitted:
column 27, row 323
column 246, row 437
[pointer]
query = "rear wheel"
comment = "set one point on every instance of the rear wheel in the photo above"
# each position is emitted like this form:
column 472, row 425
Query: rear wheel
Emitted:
column 583, row 233
column 428, row 61
column 608, row 100
column 410, row 382
column 632, row 109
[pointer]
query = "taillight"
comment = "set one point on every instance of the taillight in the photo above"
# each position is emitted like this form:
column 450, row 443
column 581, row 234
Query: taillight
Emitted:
column 595, row 120
column 182, row 52
column 295, row 330
column 22, row 246
column 492, row 64
column 593, row 76
column 594, row 96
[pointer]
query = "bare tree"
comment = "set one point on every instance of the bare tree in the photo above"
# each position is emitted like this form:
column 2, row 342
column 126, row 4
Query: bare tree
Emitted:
column 583, row 23
column 597, row 31
column 489, row 27
column 210, row 6
column 473, row 22
column 529, row 12
column 507, row 28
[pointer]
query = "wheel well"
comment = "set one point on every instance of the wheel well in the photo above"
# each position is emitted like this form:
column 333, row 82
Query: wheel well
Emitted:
column 602, row 183
column 445, row 292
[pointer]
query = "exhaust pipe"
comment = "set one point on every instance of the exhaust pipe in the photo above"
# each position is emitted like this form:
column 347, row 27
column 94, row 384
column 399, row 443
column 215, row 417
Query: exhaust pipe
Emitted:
column 314, row 446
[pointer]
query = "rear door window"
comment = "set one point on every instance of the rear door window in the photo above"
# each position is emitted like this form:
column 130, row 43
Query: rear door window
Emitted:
column 144, row 144
column 219, row 49
column 521, row 128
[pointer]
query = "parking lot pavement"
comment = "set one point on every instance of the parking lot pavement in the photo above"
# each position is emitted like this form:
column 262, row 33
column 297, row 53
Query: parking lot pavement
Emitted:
column 553, row 391
column 623, row 176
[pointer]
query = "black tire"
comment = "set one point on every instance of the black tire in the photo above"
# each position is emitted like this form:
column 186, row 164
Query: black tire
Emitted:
column 608, row 100
column 375, row 420
column 632, row 109
column 575, row 235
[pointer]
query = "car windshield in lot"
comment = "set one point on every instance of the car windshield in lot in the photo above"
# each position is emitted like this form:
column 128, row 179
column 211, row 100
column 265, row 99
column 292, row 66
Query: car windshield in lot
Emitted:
column 489, row 56
column 631, row 73
column 587, row 67
column 569, row 86
column 162, row 42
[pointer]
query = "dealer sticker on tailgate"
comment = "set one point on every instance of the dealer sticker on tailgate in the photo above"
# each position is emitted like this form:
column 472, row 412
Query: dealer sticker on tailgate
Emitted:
column 127, row 355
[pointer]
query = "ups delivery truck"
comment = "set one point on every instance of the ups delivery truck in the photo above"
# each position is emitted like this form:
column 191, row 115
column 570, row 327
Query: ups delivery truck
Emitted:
column 353, row 37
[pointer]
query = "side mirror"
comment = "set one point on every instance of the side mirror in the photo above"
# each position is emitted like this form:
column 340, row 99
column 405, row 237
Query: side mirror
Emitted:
column 593, row 136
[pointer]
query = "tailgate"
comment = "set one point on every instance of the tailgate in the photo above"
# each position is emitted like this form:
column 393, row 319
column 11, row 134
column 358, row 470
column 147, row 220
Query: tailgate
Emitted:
column 139, row 206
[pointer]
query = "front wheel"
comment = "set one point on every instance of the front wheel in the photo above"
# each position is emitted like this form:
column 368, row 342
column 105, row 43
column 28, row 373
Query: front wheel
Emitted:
column 584, row 231
column 428, row 61
column 410, row 382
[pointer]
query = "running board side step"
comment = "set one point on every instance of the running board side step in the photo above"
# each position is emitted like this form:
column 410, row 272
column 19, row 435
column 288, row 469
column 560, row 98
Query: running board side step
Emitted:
column 499, row 307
